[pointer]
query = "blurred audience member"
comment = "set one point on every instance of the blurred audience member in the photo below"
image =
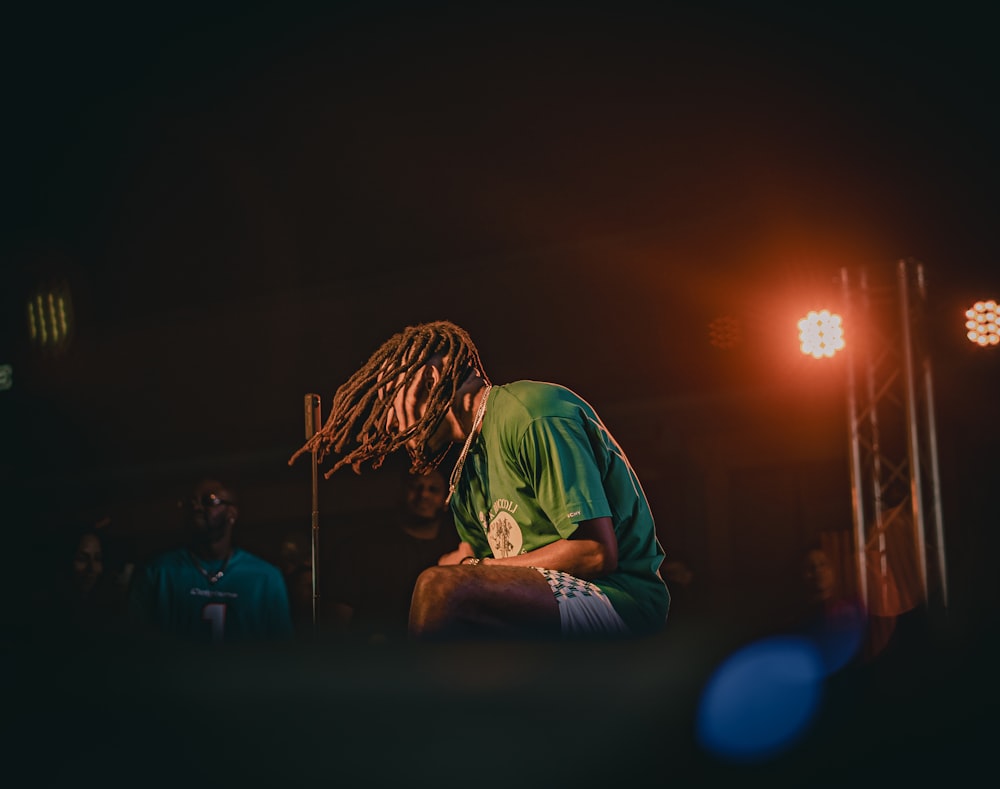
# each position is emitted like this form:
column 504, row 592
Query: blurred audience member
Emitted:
column 210, row 590
column 295, row 563
column 300, row 598
column 87, row 566
column 829, row 618
column 373, row 570
column 684, row 591
column 83, row 598
column 819, row 582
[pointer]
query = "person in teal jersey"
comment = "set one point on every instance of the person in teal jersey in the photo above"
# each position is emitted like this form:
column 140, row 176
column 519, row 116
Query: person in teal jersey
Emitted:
column 211, row 591
column 557, row 535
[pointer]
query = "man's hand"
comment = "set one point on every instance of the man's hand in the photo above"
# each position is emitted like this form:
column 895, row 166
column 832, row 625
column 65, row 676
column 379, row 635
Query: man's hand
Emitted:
column 463, row 550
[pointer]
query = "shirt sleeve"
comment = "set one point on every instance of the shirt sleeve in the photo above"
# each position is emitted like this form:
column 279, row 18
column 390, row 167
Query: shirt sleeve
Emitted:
column 558, row 462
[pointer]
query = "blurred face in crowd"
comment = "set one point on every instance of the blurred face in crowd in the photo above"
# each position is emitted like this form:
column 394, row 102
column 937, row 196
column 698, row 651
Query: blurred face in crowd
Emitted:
column 211, row 512
column 424, row 496
column 88, row 563
column 294, row 552
column 817, row 572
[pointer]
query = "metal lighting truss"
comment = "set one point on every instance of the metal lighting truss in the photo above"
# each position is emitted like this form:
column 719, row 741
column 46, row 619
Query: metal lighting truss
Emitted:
column 895, row 481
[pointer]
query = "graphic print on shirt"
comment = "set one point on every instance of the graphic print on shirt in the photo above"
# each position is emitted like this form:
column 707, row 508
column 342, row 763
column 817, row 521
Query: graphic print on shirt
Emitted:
column 214, row 613
column 502, row 531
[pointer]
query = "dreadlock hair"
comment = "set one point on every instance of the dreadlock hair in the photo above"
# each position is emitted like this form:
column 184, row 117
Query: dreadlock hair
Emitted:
column 361, row 406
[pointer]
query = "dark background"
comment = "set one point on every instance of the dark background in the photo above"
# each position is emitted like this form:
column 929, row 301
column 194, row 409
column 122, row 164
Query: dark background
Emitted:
column 244, row 200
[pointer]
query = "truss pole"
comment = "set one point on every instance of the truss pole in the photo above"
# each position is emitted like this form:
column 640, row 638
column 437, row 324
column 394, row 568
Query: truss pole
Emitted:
column 913, row 440
column 857, row 492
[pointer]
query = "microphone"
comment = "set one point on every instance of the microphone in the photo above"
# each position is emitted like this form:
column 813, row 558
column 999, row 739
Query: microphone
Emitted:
column 312, row 409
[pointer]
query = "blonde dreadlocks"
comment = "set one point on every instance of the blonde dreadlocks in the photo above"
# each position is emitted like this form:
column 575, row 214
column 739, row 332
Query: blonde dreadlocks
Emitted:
column 361, row 406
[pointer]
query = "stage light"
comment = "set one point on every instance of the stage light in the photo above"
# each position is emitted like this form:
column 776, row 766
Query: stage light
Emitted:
column 50, row 317
column 983, row 323
column 820, row 334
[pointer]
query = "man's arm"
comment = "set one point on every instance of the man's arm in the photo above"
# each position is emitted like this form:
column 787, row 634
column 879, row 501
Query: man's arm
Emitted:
column 590, row 552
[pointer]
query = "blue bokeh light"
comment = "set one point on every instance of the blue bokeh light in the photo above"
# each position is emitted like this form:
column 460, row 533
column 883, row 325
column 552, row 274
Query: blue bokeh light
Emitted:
column 838, row 636
column 761, row 700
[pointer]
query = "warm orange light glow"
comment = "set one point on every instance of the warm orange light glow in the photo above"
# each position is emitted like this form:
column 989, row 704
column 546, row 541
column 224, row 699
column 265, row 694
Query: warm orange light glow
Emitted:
column 983, row 323
column 820, row 334
column 725, row 332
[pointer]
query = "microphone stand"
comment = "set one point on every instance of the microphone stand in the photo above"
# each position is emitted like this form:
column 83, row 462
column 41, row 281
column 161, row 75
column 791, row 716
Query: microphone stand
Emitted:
column 312, row 414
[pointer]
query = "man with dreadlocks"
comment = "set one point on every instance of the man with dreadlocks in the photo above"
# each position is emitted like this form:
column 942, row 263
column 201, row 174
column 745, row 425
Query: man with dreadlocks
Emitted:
column 557, row 535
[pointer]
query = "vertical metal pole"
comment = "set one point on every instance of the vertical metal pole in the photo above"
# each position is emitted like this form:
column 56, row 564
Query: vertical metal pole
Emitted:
column 916, row 482
column 936, row 486
column 857, row 493
column 878, row 499
column 933, row 459
column 312, row 414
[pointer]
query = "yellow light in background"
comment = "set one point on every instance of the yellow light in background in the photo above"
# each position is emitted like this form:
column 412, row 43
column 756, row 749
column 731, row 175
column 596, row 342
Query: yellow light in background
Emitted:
column 821, row 334
column 63, row 322
column 50, row 317
column 983, row 323
column 43, row 329
column 32, row 321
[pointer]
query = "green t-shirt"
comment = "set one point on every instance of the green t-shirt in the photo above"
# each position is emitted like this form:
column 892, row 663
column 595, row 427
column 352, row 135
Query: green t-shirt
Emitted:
column 542, row 463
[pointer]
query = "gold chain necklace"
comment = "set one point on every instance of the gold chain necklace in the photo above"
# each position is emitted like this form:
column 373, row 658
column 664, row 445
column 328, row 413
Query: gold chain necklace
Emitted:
column 456, row 473
column 214, row 577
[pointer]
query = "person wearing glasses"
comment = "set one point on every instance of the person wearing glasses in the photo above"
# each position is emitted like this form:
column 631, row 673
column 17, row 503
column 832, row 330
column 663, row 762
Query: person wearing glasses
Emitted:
column 211, row 591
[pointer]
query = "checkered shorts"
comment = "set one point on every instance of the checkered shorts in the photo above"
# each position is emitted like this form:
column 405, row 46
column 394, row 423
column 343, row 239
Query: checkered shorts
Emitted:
column 583, row 608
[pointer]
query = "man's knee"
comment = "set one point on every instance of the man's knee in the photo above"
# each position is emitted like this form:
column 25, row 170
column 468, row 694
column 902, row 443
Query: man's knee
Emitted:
column 435, row 581
column 436, row 601
column 436, row 588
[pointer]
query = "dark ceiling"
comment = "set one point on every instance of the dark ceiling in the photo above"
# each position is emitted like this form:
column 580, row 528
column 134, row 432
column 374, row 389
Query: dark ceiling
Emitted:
column 245, row 200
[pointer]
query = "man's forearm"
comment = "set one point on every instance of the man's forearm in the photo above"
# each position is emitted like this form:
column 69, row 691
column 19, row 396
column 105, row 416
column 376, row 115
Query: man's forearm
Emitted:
column 585, row 559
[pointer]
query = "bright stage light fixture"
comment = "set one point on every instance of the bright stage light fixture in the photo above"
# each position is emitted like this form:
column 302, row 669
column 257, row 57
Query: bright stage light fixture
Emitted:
column 983, row 323
column 821, row 334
